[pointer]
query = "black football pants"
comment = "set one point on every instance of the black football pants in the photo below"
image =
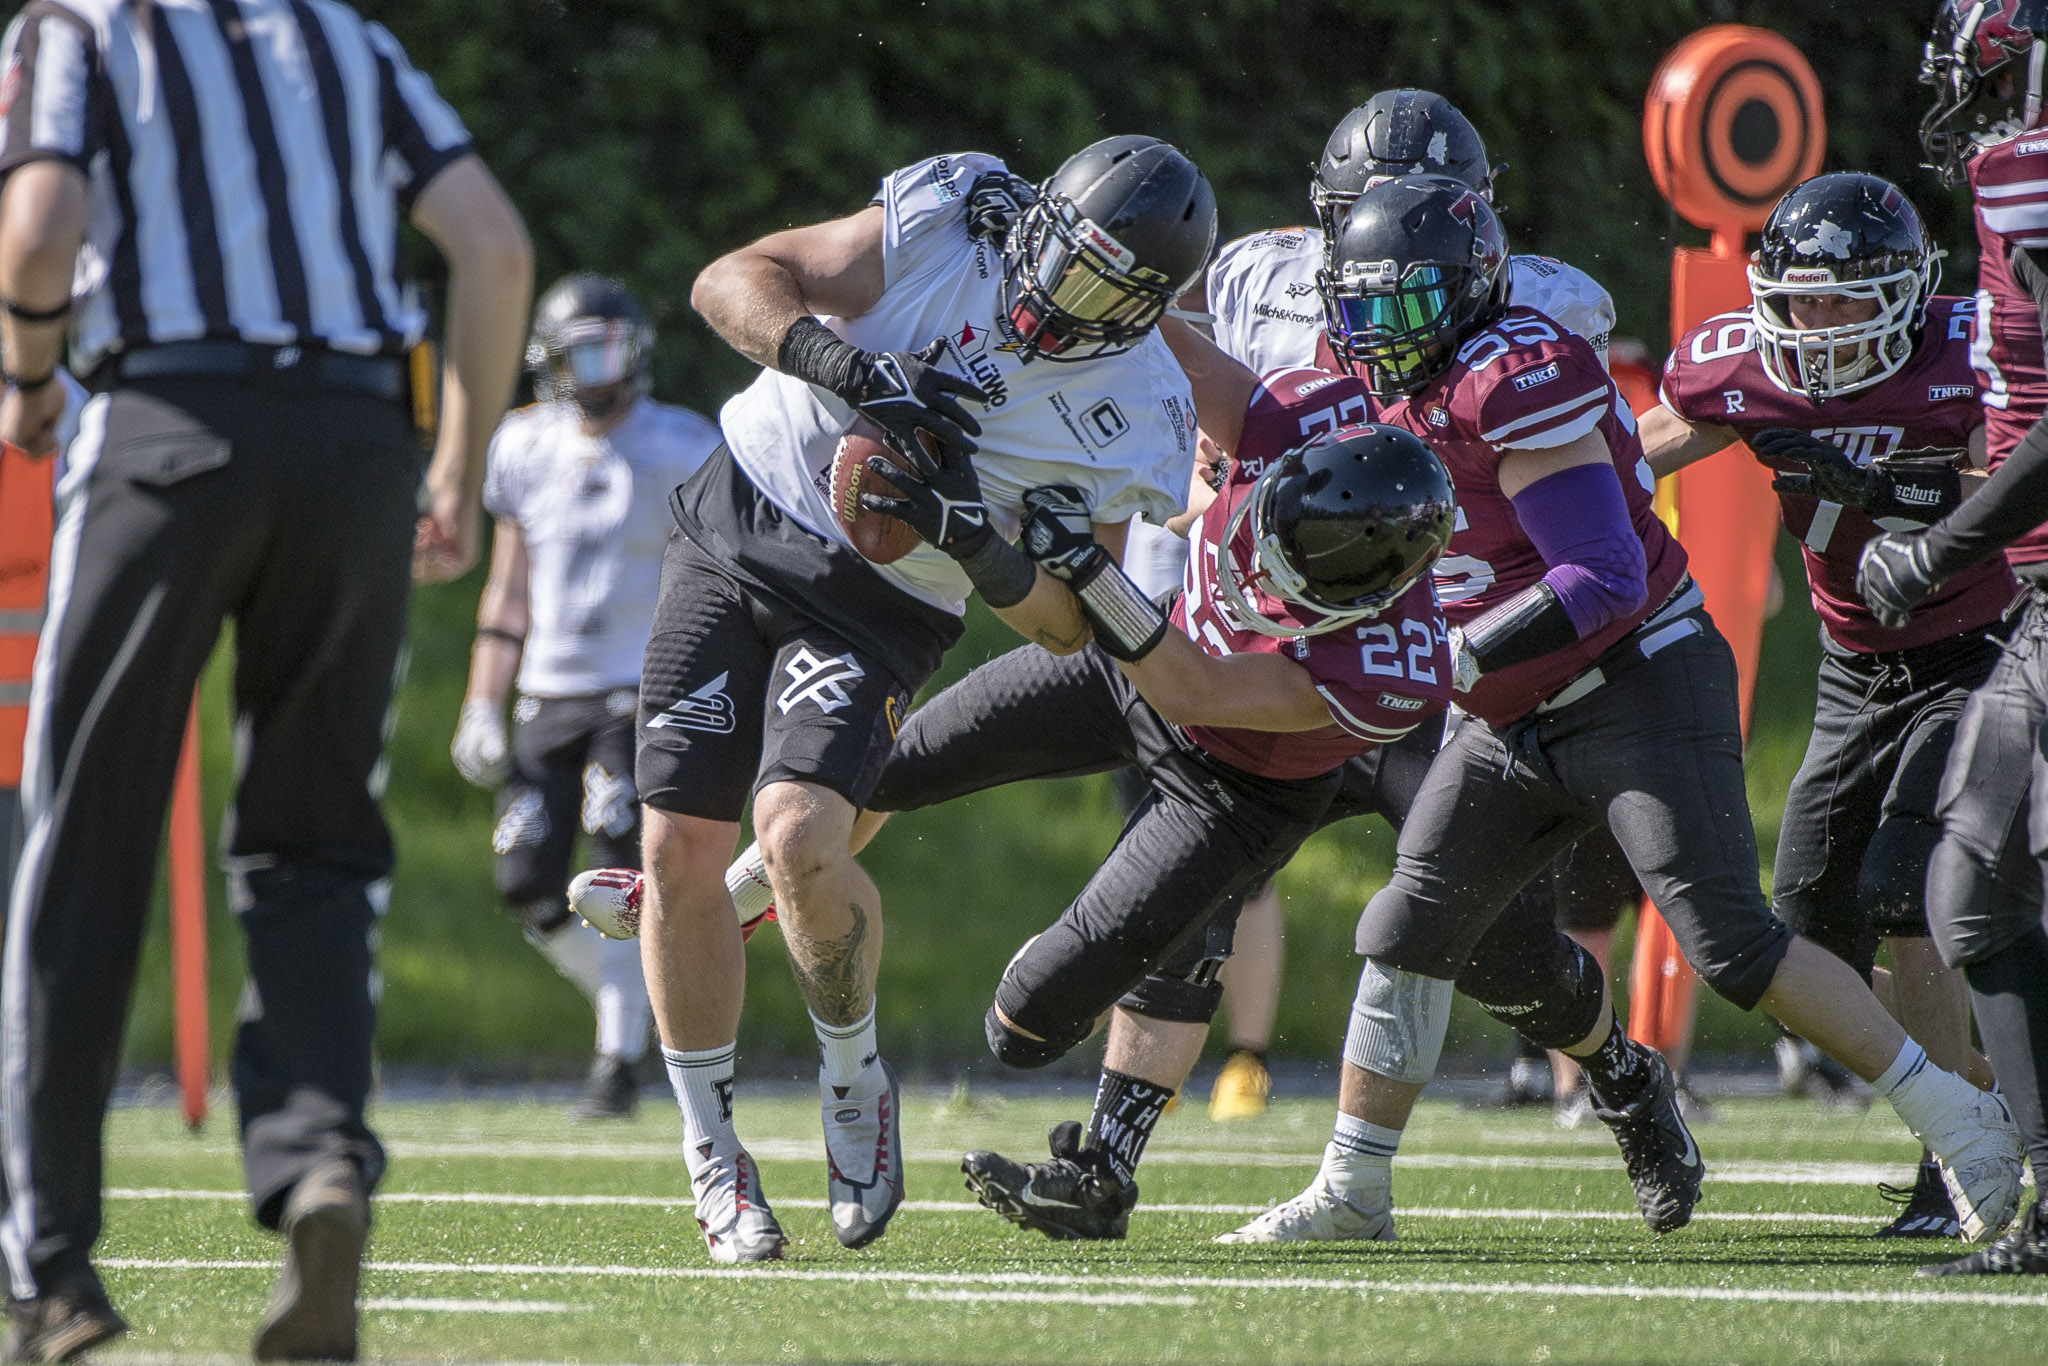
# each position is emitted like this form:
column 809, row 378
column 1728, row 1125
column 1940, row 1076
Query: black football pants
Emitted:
column 190, row 502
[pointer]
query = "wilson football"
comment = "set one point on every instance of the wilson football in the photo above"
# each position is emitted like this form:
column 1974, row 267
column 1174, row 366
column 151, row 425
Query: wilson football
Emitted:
column 879, row 538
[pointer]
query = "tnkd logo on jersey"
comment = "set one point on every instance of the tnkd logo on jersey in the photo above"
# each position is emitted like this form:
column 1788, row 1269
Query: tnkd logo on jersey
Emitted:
column 707, row 709
column 1530, row 379
column 823, row 681
column 1937, row 392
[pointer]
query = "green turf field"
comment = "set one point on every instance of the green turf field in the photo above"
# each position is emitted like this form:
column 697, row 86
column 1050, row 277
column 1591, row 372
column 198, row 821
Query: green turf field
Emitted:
column 504, row 1233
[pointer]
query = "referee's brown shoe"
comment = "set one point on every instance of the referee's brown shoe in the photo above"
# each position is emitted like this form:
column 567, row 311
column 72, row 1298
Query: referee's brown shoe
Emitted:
column 59, row 1324
column 312, row 1316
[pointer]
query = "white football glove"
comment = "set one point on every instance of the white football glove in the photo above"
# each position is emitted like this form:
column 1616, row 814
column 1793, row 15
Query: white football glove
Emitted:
column 1464, row 668
column 480, row 752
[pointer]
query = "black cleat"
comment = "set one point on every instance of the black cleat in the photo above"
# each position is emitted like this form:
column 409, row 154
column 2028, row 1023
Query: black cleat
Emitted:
column 1663, row 1162
column 611, row 1092
column 1927, row 1211
column 59, row 1324
column 2021, row 1252
column 1076, row 1195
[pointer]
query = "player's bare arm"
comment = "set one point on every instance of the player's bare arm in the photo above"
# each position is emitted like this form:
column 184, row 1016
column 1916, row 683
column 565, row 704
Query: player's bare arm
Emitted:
column 481, row 749
column 1222, row 385
column 1190, row 687
column 1670, row 443
column 750, row 297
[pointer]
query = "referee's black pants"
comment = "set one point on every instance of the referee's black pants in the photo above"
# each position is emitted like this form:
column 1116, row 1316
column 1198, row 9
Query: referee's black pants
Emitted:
column 188, row 502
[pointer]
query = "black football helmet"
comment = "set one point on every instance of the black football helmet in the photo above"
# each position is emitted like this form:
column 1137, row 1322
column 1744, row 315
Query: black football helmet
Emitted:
column 1395, row 133
column 1971, row 44
column 1114, row 237
column 1342, row 525
column 1853, row 236
column 591, row 345
column 1418, row 262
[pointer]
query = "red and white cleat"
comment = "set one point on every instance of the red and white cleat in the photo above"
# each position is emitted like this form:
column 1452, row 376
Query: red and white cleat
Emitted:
column 608, row 900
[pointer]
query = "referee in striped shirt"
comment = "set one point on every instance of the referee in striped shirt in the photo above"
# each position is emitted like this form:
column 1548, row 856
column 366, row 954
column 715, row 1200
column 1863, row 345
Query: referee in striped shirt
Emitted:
column 205, row 195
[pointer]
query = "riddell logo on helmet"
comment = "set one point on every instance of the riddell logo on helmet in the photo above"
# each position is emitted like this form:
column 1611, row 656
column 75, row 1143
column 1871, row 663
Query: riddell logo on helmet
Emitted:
column 1115, row 252
column 1809, row 275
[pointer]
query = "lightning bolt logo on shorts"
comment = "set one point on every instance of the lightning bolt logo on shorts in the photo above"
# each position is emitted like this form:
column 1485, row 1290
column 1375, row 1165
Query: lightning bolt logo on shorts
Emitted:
column 708, row 709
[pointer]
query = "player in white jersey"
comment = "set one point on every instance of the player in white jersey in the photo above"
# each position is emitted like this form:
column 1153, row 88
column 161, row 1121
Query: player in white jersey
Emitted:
column 578, row 484
column 1261, row 292
column 783, row 659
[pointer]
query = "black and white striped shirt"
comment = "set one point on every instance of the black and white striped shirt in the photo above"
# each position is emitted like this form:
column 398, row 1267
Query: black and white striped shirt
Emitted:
column 247, row 162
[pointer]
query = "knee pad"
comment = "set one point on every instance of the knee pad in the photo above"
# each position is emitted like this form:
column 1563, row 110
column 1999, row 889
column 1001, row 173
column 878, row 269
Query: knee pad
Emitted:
column 1397, row 1023
column 1551, row 1009
column 1892, row 888
column 544, row 914
column 1015, row 1050
column 1017, row 1001
column 1192, row 999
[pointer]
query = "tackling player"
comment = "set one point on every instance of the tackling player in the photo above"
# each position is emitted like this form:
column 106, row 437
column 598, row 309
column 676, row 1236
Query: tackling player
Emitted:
column 1989, row 125
column 1599, row 692
column 782, row 661
column 1845, row 362
column 1261, row 292
column 575, row 483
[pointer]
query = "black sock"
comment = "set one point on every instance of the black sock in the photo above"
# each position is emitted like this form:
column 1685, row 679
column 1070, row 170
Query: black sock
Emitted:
column 2009, row 993
column 1617, row 1071
column 1125, row 1111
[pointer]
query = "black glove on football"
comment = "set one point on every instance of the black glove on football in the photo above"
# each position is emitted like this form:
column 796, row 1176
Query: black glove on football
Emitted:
column 1894, row 576
column 902, row 392
column 943, row 505
column 996, row 200
column 1920, row 487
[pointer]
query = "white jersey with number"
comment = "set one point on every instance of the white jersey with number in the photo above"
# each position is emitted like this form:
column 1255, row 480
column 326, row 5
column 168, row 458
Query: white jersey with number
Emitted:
column 1120, row 427
column 594, row 514
column 1262, row 290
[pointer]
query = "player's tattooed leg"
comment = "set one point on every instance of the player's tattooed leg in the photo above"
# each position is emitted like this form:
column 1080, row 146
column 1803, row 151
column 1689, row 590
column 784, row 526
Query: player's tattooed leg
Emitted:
column 833, row 973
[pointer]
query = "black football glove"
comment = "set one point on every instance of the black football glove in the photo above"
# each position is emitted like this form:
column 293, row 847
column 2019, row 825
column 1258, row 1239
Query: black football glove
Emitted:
column 1915, row 485
column 1894, row 576
column 995, row 201
column 942, row 503
column 1058, row 533
column 901, row 392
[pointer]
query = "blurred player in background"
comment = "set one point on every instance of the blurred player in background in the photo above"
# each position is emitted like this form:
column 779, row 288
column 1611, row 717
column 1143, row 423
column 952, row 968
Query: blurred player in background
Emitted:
column 577, row 483
column 1261, row 291
column 1984, row 880
column 783, row 660
column 1851, row 377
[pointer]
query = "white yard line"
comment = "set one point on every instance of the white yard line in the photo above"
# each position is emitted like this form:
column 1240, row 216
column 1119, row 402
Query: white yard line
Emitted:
column 412, row 1306
column 1042, row 1280
column 1045, row 1297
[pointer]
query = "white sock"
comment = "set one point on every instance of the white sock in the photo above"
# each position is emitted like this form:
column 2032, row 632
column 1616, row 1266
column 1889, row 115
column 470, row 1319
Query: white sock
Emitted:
column 577, row 951
column 747, row 880
column 848, row 1055
column 1926, row 1097
column 622, row 1009
column 1911, row 1061
column 702, row 1081
column 1358, row 1162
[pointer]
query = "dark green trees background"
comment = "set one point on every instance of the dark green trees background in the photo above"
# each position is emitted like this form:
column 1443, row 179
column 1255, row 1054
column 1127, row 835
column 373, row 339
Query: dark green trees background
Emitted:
column 645, row 138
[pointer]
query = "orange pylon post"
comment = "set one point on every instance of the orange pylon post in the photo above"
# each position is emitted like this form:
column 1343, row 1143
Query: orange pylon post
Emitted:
column 190, row 1046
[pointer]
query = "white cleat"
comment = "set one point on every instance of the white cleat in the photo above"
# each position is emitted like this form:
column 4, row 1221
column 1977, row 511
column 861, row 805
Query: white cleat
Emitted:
column 864, row 1151
column 734, row 1216
column 608, row 900
column 1318, row 1215
column 1980, row 1155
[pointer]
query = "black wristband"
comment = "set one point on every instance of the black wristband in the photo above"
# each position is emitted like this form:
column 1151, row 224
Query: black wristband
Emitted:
column 1127, row 624
column 36, row 315
column 1001, row 573
column 1529, row 625
column 495, row 633
column 814, row 353
column 29, row 386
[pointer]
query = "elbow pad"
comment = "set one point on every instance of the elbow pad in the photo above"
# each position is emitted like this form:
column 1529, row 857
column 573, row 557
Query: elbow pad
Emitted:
column 1127, row 624
column 1529, row 625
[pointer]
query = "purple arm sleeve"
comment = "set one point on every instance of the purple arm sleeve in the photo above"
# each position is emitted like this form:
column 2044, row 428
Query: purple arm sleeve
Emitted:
column 1578, row 521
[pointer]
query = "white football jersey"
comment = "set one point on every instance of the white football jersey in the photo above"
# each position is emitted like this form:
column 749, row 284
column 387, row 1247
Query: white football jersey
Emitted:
column 1262, row 290
column 1120, row 427
column 594, row 512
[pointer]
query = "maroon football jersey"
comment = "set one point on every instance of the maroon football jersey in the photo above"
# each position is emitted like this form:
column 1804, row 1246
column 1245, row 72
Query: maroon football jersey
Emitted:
column 2010, row 183
column 1525, row 383
column 1714, row 376
column 1381, row 678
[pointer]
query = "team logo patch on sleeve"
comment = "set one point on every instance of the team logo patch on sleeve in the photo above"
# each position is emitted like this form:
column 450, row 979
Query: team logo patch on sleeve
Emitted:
column 1529, row 379
column 1937, row 392
column 1394, row 701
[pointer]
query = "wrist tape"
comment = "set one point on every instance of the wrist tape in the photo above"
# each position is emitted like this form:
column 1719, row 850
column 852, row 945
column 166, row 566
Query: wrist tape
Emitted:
column 1127, row 624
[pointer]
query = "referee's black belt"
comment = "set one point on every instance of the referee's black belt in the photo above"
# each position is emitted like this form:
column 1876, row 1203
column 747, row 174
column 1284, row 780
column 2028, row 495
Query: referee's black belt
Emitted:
column 286, row 366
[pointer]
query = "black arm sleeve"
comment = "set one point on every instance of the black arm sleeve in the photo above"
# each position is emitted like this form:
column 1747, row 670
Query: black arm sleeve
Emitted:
column 2015, row 499
column 1529, row 625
